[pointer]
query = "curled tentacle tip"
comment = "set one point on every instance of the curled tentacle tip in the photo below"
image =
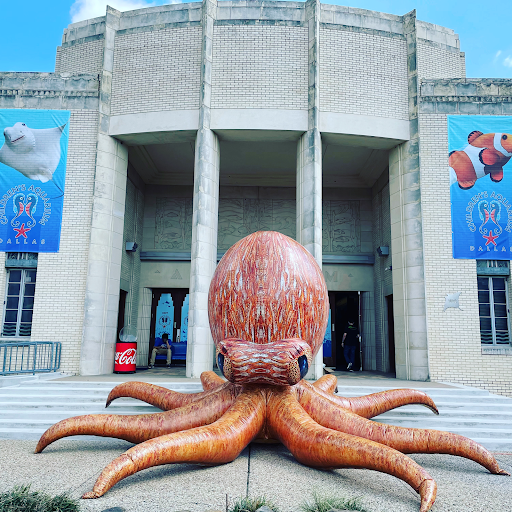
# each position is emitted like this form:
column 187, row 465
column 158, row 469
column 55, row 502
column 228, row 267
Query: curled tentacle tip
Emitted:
column 90, row 495
column 427, row 491
column 503, row 472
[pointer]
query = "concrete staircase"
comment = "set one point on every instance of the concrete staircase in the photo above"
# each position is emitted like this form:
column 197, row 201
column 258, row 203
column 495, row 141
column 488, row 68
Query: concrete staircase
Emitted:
column 30, row 407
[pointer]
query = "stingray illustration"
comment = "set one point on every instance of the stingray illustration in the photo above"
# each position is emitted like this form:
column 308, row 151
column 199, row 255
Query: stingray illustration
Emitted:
column 33, row 153
column 23, row 205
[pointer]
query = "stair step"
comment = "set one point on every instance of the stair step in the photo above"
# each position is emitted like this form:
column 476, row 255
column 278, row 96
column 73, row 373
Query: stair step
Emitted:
column 27, row 410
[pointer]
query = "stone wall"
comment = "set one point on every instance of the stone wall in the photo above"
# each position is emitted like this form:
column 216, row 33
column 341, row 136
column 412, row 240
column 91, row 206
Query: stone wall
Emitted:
column 130, row 261
column 455, row 350
column 382, row 270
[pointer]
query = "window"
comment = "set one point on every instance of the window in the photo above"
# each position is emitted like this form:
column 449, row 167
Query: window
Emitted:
column 19, row 302
column 493, row 306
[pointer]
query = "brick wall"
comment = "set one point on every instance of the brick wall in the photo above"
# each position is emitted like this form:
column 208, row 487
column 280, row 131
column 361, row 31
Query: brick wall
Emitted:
column 156, row 70
column 86, row 57
column 439, row 61
column 260, row 67
column 61, row 277
column 454, row 335
column 362, row 73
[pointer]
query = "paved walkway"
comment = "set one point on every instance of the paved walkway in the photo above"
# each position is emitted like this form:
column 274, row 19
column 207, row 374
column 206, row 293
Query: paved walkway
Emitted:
column 72, row 465
column 267, row 470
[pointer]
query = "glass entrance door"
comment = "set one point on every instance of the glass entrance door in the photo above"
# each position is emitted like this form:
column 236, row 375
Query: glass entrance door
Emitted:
column 169, row 314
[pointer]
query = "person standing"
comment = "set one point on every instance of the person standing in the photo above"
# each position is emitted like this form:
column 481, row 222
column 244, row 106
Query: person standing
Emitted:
column 351, row 338
column 162, row 348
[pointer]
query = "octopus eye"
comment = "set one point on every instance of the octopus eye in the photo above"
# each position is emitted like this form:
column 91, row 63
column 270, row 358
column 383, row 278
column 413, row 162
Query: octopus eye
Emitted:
column 220, row 363
column 303, row 366
column 504, row 137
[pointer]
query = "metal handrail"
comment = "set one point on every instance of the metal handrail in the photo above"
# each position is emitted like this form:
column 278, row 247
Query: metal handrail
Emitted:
column 29, row 356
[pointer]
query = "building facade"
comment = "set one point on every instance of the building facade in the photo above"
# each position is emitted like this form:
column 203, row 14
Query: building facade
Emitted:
column 193, row 125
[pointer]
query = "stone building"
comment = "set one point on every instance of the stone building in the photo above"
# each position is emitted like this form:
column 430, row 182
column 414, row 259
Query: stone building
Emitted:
column 195, row 124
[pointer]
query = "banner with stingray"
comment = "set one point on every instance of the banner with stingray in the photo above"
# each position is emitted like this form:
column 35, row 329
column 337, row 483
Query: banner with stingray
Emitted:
column 32, row 178
column 480, row 149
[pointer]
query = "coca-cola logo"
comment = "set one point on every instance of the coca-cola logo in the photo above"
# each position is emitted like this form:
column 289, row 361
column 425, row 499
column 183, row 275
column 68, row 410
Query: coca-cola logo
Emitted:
column 126, row 357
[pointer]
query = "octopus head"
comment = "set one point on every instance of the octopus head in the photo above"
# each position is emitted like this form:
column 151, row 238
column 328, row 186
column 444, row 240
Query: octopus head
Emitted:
column 268, row 308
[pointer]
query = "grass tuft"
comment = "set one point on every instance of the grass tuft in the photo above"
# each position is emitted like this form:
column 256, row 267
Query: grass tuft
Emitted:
column 326, row 503
column 21, row 499
column 251, row 504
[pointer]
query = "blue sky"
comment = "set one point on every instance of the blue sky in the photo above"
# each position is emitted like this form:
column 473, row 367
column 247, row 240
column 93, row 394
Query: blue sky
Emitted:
column 31, row 30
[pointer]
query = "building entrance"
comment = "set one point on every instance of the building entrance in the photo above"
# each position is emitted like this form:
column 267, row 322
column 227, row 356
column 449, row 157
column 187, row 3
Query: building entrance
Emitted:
column 344, row 306
column 169, row 314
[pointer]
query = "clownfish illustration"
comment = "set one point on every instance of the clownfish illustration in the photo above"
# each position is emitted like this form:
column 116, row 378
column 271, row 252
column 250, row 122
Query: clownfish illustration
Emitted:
column 490, row 214
column 485, row 154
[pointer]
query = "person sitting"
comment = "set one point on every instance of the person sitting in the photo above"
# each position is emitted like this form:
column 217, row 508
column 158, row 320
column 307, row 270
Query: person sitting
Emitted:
column 162, row 348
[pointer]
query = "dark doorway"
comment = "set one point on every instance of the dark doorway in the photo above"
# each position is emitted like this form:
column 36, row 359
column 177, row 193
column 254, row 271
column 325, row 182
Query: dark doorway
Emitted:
column 344, row 307
column 120, row 312
column 391, row 334
column 174, row 322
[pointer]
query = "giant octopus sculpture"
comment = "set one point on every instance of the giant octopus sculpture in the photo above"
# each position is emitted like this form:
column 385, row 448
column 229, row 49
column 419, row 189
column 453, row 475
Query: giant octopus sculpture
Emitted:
column 268, row 309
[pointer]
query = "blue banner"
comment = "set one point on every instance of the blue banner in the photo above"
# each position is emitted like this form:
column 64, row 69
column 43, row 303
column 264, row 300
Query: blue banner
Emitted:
column 32, row 178
column 480, row 149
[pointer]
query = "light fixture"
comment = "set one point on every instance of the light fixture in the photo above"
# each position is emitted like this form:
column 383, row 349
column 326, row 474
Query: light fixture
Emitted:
column 383, row 250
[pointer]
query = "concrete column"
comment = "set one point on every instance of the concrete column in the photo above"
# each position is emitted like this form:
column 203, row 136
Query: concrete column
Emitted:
column 409, row 307
column 309, row 162
column 106, row 242
column 205, row 213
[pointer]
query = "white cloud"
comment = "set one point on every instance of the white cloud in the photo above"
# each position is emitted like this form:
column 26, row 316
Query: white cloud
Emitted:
column 86, row 9
column 498, row 53
column 508, row 61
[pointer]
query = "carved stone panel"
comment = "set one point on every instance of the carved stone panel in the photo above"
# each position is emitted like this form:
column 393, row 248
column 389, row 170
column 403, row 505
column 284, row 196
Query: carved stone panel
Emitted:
column 341, row 230
column 241, row 217
column 173, row 224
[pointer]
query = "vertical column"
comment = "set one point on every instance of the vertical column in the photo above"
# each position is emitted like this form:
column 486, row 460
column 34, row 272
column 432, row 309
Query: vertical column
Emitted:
column 409, row 305
column 309, row 162
column 106, row 242
column 205, row 212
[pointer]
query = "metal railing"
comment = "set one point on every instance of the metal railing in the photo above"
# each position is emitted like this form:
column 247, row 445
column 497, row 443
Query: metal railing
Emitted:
column 29, row 357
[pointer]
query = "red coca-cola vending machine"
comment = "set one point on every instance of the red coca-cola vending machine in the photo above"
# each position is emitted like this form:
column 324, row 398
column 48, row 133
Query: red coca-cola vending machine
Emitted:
column 126, row 351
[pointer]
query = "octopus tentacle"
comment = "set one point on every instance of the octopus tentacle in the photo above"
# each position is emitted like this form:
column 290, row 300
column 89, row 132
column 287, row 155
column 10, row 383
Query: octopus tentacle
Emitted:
column 217, row 443
column 377, row 403
column 158, row 396
column 318, row 446
column 327, row 383
column 372, row 405
column 210, row 380
column 142, row 427
column 405, row 440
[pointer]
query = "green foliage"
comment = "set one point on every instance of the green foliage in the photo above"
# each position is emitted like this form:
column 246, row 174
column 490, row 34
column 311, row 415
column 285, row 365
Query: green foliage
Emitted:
column 21, row 499
column 326, row 503
column 250, row 504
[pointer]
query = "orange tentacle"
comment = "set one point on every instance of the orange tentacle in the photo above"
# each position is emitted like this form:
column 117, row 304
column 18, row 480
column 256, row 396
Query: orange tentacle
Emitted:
column 136, row 429
column 158, row 396
column 318, row 446
column 406, row 440
column 327, row 383
column 372, row 405
column 217, row 443
column 210, row 381
column 377, row 403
